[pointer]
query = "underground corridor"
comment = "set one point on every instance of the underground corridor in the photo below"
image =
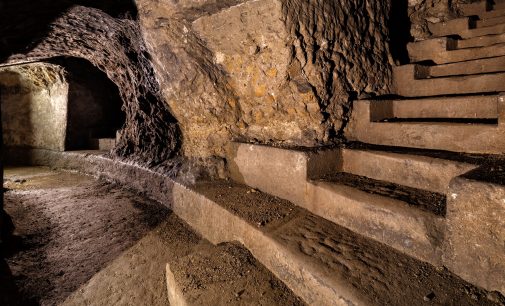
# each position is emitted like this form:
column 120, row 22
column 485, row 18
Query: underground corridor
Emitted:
column 252, row 152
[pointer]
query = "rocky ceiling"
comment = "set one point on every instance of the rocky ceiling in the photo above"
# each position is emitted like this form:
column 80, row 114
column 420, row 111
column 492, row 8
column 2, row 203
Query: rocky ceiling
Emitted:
column 106, row 34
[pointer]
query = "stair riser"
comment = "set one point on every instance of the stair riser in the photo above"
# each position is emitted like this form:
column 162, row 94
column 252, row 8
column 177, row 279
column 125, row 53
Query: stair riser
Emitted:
column 379, row 218
column 406, row 83
column 470, row 138
column 490, row 22
column 219, row 225
column 409, row 170
column 475, row 223
column 491, row 14
column 489, row 65
column 279, row 172
column 443, row 51
column 473, row 107
column 491, row 30
column 483, row 41
column 450, row 27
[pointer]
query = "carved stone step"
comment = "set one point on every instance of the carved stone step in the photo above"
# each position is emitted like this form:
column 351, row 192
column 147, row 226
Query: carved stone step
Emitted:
column 410, row 81
column 487, row 65
column 236, row 278
column 415, row 171
column 446, row 50
column 447, row 136
column 465, row 107
column 490, row 21
column 481, row 41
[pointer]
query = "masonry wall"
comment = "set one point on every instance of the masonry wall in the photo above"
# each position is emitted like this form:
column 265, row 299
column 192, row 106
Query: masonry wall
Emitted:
column 34, row 106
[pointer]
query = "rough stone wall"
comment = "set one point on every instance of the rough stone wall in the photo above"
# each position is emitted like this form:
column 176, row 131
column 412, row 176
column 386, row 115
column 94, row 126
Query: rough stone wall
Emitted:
column 268, row 71
column 34, row 106
column 113, row 45
column 423, row 11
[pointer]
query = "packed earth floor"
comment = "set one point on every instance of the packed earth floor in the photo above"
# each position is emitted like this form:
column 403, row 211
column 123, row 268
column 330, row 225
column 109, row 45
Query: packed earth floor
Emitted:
column 67, row 227
column 77, row 240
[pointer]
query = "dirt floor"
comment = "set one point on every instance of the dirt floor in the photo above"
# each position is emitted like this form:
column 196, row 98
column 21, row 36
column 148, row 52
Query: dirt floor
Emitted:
column 67, row 227
column 80, row 241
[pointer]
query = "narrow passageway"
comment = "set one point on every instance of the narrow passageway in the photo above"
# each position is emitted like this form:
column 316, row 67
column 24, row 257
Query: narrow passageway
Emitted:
column 68, row 227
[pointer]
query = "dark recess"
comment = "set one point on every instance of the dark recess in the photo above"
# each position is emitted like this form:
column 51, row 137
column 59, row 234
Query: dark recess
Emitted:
column 399, row 29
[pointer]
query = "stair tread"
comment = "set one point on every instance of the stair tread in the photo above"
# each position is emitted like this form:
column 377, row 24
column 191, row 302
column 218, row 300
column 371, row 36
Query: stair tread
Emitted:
column 408, row 85
column 239, row 275
column 481, row 41
column 477, row 66
column 482, row 31
column 421, row 199
column 335, row 254
column 440, row 154
column 479, row 106
column 443, row 51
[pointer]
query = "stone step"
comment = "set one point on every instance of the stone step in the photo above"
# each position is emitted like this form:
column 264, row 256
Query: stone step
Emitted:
column 468, row 28
column 490, row 14
column 475, row 8
column 481, row 41
column 294, row 175
column 447, row 136
column 414, row 171
column 226, row 274
column 450, row 27
column 403, row 218
column 323, row 263
column 408, row 82
column 490, row 30
column 445, row 50
column 487, row 65
column 470, row 107
column 490, row 21
column 102, row 144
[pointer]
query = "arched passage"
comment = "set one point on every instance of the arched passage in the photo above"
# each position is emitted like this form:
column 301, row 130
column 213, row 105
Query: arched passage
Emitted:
column 94, row 113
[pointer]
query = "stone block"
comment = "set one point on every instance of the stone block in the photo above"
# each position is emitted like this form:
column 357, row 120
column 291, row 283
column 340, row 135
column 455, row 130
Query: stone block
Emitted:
column 475, row 241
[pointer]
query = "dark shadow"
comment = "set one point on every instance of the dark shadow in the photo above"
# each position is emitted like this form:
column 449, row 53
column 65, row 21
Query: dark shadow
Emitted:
column 399, row 29
column 24, row 23
column 9, row 292
column 94, row 105
column 17, row 108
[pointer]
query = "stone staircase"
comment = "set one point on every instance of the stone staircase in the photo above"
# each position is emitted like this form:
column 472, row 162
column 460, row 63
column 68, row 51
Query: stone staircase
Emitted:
column 422, row 171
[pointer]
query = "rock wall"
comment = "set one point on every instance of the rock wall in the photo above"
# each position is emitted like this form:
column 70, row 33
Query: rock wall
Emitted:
column 423, row 11
column 268, row 71
column 34, row 106
column 282, row 72
column 114, row 45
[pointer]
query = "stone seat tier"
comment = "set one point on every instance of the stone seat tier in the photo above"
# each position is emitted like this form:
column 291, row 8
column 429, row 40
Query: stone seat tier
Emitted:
column 341, row 186
column 321, row 262
column 481, row 41
column 459, row 107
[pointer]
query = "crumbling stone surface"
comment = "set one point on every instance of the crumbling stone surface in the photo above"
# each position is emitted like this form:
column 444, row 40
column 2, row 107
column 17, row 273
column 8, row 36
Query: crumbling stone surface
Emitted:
column 423, row 11
column 268, row 71
column 265, row 71
column 115, row 46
